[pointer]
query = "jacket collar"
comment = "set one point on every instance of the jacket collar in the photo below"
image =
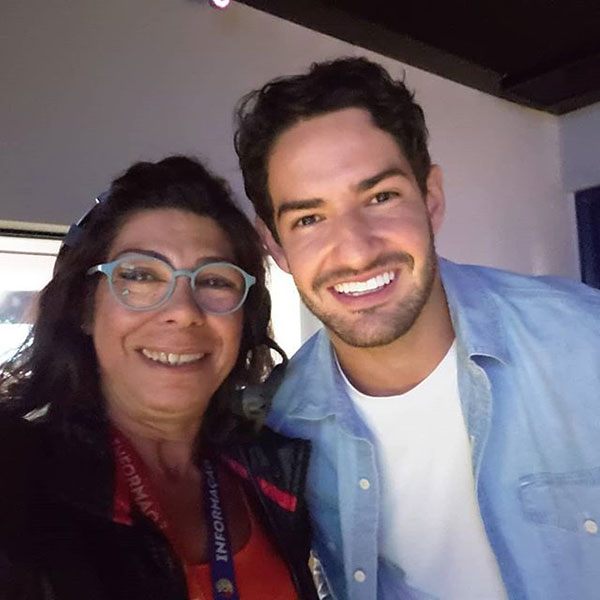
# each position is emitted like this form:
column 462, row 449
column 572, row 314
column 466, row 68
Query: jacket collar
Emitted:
column 312, row 388
column 78, row 468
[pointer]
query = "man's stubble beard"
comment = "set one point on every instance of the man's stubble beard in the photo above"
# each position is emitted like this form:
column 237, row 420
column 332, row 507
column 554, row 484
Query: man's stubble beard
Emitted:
column 390, row 324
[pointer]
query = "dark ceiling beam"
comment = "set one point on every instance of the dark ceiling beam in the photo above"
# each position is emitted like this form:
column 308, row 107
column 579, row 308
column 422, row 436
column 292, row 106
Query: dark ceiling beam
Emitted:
column 556, row 90
column 560, row 89
column 359, row 32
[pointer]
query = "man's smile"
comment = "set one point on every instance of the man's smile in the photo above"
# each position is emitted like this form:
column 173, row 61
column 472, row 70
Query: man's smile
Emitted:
column 373, row 284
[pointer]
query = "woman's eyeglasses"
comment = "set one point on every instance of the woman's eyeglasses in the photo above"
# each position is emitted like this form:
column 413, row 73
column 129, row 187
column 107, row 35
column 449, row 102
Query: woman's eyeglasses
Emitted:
column 141, row 282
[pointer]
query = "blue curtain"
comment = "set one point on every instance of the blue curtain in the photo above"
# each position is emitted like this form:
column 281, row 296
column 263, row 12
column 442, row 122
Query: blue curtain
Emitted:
column 587, row 203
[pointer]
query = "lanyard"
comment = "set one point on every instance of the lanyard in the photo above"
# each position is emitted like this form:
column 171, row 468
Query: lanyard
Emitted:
column 221, row 558
column 133, row 484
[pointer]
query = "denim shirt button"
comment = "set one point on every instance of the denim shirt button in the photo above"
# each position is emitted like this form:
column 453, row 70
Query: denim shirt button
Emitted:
column 359, row 576
column 590, row 526
column 365, row 484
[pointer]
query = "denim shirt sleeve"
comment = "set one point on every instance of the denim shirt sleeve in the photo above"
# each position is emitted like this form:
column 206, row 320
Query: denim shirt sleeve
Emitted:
column 529, row 380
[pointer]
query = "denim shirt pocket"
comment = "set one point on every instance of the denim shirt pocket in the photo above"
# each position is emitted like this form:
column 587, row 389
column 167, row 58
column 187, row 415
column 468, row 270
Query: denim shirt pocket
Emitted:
column 569, row 501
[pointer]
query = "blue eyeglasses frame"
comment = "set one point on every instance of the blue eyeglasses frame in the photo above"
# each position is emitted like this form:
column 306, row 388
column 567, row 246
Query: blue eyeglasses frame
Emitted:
column 108, row 268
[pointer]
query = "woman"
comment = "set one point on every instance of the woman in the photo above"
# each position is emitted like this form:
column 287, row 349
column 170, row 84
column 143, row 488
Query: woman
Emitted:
column 125, row 471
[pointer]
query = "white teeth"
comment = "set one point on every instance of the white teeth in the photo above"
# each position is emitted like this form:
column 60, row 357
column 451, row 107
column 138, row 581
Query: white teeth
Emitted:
column 171, row 358
column 356, row 288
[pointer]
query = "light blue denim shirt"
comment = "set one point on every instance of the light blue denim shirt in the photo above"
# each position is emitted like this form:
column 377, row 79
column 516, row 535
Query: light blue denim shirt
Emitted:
column 529, row 379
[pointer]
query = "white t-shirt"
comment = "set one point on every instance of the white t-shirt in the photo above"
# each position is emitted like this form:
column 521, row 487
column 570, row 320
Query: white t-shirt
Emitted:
column 430, row 521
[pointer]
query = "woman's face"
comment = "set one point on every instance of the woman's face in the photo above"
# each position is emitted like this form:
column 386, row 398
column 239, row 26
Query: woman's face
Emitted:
column 133, row 347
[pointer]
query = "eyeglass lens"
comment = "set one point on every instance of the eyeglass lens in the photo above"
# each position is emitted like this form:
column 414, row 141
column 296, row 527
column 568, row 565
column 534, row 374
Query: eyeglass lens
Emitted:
column 144, row 282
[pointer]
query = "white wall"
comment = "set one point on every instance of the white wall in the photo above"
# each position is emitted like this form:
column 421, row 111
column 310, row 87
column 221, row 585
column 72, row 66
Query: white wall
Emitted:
column 89, row 87
column 580, row 148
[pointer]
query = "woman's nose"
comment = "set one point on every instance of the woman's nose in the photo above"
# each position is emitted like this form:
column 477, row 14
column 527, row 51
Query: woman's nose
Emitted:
column 182, row 305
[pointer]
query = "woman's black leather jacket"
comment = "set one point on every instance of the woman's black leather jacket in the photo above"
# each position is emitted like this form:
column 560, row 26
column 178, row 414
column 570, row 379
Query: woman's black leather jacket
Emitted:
column 57, row 537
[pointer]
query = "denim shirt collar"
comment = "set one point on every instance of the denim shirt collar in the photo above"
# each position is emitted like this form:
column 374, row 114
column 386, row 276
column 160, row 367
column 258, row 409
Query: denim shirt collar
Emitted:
column 474, row 312
column 311, row 385
column 313, row 389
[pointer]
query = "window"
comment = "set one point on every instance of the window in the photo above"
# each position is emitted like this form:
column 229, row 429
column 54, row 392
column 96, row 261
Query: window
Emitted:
column 26, row 262
column 285, row 309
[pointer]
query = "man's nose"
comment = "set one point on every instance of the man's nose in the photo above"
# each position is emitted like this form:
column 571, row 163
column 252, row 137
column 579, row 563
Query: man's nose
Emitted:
column 354, row 242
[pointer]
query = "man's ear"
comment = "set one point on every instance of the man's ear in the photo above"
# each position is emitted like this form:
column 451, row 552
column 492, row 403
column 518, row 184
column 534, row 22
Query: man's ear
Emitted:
column 435, row 199
column 273, row 248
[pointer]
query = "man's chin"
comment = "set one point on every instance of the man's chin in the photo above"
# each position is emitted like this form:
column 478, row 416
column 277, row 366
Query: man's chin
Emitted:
column 363, row 336
column 372, row 328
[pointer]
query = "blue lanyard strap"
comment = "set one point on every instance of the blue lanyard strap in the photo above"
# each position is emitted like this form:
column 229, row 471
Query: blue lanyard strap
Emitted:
column 221, row 556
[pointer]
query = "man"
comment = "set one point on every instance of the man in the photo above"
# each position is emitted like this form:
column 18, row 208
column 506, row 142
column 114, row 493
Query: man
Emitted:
column 454, row 411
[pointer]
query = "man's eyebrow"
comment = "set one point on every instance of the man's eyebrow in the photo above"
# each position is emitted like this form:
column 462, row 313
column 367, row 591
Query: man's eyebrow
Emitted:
column 366, row 184
column 292, row 205
column 371, row 182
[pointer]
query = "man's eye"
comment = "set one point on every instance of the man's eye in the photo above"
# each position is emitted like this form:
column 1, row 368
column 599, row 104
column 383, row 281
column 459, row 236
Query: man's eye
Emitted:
column 307, row 220
column 381, row 197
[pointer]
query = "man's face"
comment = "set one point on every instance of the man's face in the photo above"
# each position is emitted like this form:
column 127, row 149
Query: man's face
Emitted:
column 354, row 229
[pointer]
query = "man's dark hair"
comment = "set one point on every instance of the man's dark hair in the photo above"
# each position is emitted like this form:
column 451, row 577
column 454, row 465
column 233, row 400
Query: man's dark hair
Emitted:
column 264, row 114
column 57, row 365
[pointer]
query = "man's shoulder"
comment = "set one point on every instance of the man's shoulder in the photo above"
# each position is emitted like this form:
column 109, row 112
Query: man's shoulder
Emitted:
column 460, row 280
column 312, row 355
column 308, row 386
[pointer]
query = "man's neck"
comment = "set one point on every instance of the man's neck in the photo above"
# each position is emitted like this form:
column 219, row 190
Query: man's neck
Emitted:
column 398, row 367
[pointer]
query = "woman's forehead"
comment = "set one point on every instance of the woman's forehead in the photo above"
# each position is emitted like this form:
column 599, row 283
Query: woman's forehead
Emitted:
column 178, row 234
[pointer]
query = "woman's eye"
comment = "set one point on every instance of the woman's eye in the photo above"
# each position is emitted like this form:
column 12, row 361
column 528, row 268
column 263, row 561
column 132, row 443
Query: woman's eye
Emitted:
column 138, row 275
column 215, row 282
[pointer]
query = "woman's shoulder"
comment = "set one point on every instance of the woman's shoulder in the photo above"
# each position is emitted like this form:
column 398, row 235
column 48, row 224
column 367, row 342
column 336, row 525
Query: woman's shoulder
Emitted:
column 21, row 447
column 19, row 437
column 20, row 454
column 276, row 462
column 277, row 447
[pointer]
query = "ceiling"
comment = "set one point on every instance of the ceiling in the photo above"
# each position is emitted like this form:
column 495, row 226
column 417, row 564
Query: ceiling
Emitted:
column 539, row 53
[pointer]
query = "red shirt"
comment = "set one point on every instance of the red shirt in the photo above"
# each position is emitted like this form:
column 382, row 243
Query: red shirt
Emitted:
column 260, row 571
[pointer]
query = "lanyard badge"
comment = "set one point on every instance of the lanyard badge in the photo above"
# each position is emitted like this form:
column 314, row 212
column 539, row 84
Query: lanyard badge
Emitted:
column 133, row 485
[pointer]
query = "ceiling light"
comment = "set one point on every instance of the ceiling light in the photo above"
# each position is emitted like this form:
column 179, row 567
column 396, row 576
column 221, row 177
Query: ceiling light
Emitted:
column 219, row 3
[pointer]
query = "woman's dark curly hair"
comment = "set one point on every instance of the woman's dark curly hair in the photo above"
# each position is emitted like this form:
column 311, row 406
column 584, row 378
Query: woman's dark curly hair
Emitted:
column 57, row 365
column 264, row 114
